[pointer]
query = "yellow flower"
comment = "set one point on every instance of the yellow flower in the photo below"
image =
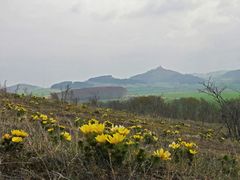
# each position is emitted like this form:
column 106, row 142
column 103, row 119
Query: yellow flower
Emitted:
column 164, row 155
column 121, row 130
column 176, row 132
column 6, row 136
column 35, row 117
column 19, row 133
column 52, row 120
column 174, row 145
column 188, row 145
column 168, row 131
column 44, row 117
column 50, row 129
column 130, row 142
column 86, row 129
column 137, row 137
column 66, row 136
column 61, row 127
column 155, row 138
column 17, row 139
column 115, row 138
column 98, row 128
column 44, row 122
column 136, row 127
column 101, row 138
column 192, row 151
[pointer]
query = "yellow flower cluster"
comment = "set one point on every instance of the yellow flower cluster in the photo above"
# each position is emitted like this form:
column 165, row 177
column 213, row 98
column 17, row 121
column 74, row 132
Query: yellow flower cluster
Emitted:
column 16, row 136
column 173, row 132
column 43, row 118
column 17, row 107
column 116, row 134
column 51, row 127
column 190, row 146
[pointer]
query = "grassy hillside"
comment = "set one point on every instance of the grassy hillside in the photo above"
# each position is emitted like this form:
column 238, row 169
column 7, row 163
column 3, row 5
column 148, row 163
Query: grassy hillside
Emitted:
column 64, row 141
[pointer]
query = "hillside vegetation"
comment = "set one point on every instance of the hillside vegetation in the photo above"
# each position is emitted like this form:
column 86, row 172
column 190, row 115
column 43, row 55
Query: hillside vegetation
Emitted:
column 46, row 139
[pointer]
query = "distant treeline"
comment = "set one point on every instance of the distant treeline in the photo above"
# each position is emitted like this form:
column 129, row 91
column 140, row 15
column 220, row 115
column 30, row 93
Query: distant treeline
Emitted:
column 183, row 108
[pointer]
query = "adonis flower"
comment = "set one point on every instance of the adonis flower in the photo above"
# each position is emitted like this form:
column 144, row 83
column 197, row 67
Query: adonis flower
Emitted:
column 115, row 138
column 192, row 151
column 6, row 136
column 44, row 117
column 101, row 138
column 66, row 136
column 164, row 155
column 188, row 145
column 17, row 139
column 19, row 133
column 121, row 130
column 174, row 145
column 137, row 137
column 50, row 130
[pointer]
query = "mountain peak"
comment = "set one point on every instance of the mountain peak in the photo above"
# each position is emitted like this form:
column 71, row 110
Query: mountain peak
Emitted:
column 159, row 68
column 161, row 75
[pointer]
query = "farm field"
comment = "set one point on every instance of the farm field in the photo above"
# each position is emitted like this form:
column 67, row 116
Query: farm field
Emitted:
column 185, row 94
column 45, row 139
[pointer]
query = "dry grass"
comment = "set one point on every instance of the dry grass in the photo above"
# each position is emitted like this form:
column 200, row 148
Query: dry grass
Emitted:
column 44, row 158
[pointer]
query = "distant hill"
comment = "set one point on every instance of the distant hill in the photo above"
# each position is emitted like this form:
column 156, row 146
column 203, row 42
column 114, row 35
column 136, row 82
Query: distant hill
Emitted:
column 223, row 77
column 30, row 89
column 161, row 75
column 213, row 75
column 231, row 77
column 22, row 88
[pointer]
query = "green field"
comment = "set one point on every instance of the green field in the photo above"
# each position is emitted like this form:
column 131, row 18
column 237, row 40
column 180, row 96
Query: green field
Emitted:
column 177, row 92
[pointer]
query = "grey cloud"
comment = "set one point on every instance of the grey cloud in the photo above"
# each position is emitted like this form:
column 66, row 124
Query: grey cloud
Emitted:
column 156, row 8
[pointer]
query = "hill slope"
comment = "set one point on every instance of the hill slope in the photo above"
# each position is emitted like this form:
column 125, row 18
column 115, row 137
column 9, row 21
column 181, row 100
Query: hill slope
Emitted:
column 43, row 139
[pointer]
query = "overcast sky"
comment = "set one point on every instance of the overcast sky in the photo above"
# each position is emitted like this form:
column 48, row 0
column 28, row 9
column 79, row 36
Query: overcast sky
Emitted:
column 48, row 41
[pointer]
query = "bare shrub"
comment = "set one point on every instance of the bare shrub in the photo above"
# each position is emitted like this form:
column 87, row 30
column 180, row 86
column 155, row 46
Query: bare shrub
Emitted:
column 229, row 109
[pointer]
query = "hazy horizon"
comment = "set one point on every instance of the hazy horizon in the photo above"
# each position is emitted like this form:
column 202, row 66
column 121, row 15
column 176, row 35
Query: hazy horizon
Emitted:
column 44, row 42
